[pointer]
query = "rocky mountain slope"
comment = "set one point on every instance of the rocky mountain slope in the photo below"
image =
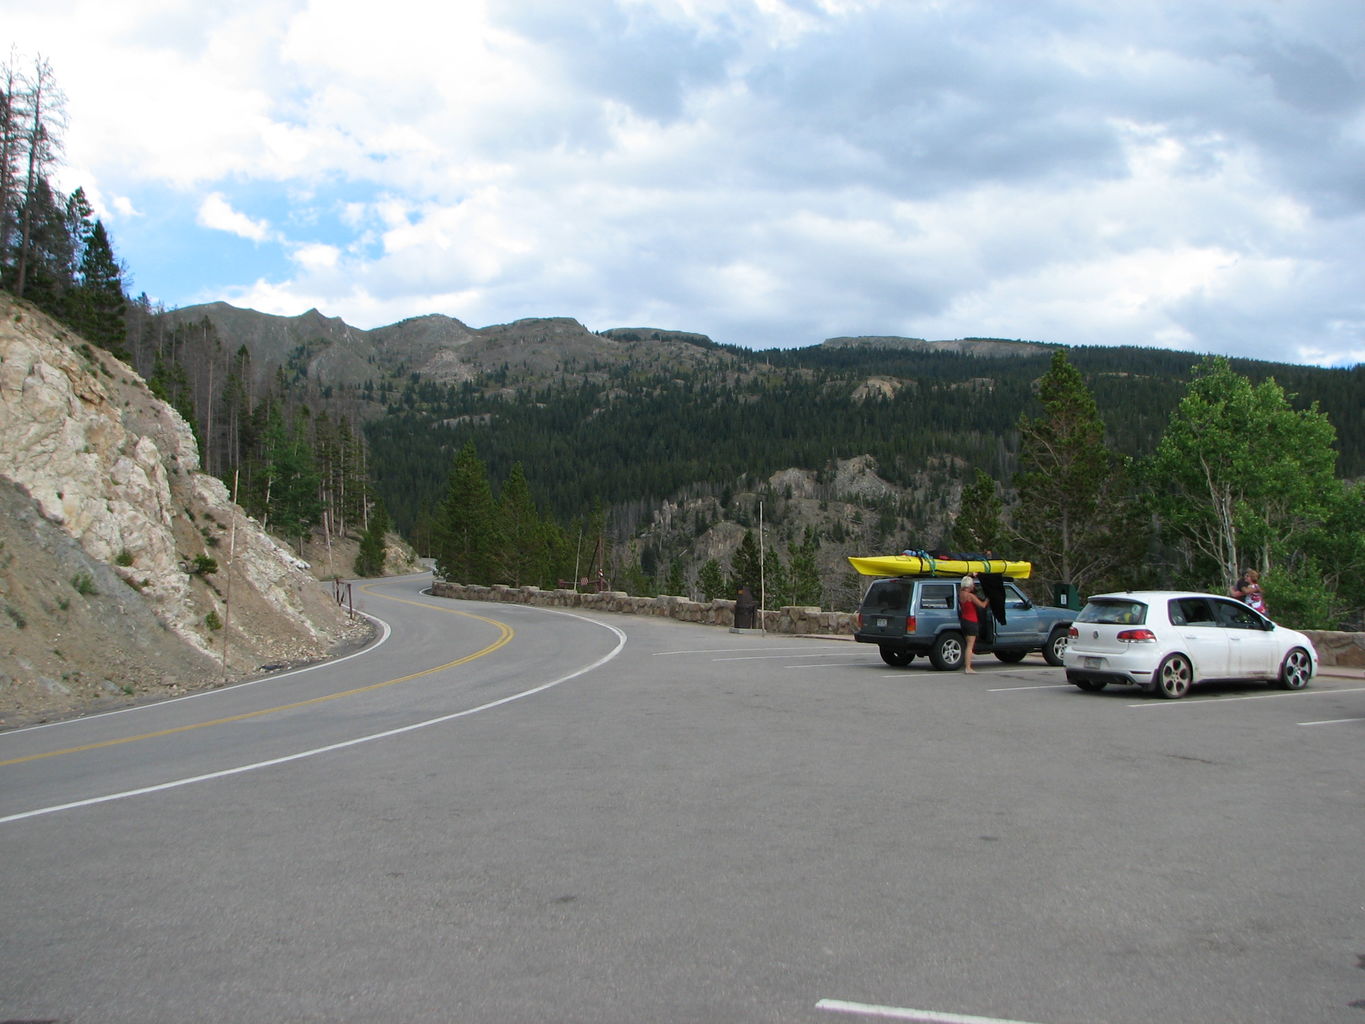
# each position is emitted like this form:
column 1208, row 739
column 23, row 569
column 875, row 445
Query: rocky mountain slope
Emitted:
column 443, row 349
column 125, row 571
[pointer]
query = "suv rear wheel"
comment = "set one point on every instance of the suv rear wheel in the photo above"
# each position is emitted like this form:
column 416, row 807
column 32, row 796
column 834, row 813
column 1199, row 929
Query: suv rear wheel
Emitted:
column 947, row 653
column 895, row 657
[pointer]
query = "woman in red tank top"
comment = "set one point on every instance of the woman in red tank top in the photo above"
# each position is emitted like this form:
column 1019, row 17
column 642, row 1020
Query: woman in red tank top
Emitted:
column 969, row 607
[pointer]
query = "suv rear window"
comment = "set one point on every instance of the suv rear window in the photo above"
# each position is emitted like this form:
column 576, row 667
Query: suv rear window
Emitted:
column 887, row 597
column 1114, row 612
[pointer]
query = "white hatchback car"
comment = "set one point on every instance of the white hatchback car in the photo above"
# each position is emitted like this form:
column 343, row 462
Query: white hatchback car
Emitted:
column 1167, row 640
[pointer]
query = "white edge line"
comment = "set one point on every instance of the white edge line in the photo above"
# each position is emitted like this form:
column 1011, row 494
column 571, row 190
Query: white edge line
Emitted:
column 177, row 783
column 385, row 632
column 903, row 1013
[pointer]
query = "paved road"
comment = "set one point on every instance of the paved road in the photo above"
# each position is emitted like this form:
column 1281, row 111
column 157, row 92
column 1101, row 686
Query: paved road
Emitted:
column 507, row 814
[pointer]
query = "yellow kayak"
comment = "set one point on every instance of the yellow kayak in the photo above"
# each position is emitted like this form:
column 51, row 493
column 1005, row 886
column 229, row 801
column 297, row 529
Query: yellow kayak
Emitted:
column 922, row 564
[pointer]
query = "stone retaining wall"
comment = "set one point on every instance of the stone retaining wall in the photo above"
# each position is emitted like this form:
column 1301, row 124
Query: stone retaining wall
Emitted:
column 1338, row 650
column 1334, row 649
column 796, row 620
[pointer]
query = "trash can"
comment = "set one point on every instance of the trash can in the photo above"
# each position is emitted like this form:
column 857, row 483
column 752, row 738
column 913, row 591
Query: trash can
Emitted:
column 1065, row 595
column 745, row 609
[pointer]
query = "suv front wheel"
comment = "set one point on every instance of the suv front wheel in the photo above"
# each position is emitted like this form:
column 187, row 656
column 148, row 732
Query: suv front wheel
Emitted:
column 1056, row 646
column 947, row 653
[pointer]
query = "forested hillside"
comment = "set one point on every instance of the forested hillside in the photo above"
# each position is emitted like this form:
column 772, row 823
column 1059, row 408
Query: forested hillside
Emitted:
column 655, row 454
column 633, row 439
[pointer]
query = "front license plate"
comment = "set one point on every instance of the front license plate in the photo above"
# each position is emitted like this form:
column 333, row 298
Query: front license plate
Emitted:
column 1091, row 662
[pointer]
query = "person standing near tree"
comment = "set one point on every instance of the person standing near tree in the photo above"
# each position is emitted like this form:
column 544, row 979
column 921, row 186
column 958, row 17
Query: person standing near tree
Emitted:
column 1248, row 589
column 969, row 609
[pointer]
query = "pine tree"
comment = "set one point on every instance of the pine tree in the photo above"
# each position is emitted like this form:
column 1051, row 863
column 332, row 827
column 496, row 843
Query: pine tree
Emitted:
column 711, row 580
column 1075, row 517
column 776, row 581
column 292, row 506
column 676, row 582
column 522, row 549
column 97, row 305
column 369, row 560
column 978, row 527
column 466, row 538
column 744, row 565
column 807, row 590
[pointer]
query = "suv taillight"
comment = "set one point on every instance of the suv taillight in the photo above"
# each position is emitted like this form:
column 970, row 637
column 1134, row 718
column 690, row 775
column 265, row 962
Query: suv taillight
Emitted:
column 909, row 623
column 1136, row 636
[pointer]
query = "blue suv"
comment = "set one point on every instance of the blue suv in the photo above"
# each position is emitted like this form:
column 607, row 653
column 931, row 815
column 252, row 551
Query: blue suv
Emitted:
column 917, row 615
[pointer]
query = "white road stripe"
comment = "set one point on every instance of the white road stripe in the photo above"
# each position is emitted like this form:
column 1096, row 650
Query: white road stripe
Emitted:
column 903, row 1013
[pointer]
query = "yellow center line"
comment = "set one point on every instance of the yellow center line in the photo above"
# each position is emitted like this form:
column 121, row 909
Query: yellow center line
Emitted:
column 505, row 634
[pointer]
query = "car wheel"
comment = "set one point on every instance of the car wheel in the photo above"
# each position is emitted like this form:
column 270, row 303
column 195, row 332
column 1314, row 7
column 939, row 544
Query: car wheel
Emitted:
column 947, row 653
column 1174, row 677
column 895, row 657
column 1296, row 669
column 1011, row 657
column 1056, row 647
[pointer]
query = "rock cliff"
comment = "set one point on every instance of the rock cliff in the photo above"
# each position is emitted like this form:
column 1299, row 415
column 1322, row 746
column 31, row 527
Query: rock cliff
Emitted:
column 203, row 593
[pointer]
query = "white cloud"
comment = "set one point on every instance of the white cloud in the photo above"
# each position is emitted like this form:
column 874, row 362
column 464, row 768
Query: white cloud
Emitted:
column 1185, row 172
column 216, row 213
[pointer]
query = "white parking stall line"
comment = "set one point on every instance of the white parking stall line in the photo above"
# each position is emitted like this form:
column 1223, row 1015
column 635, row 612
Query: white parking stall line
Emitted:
column 725, row 650
column 1041, row 686
column 904, row 1013
column 1255, row 696
column 789, row 657
column 1334, row 721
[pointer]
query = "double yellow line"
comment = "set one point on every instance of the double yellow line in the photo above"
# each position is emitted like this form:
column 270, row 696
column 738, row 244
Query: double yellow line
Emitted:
column 505, row 634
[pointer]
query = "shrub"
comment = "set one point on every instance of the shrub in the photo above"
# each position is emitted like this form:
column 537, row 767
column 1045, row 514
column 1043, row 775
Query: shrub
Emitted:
column 84, row 584
column 203, row 565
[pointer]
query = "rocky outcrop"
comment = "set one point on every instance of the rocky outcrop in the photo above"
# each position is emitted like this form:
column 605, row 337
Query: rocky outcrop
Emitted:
column 117, row 471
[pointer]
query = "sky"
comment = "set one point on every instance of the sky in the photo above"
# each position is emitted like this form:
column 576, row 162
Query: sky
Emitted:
column 1180, row 174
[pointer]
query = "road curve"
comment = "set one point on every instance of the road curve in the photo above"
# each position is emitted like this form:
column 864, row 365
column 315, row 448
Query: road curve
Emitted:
column 504, row 813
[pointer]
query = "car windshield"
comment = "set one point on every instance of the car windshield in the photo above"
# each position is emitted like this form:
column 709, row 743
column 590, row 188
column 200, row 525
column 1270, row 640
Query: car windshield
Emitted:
column 887, row 597
column 1114, row 612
